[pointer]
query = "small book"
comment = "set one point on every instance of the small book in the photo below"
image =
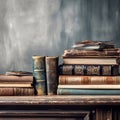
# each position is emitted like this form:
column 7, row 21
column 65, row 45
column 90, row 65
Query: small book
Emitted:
column 18, row 73
column 93, row 45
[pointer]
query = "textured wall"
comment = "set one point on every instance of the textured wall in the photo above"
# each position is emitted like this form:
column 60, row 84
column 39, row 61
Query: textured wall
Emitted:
column 47, row 27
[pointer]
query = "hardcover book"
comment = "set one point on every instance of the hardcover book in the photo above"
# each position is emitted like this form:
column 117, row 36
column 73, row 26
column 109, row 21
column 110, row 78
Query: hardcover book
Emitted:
column 82, row 53
column 92, row 60
column 72, row 91
column 16, row 91
column 93, row 45
column 39, row 75
column 88, row 69
column 13, row 78
column 79, row 80
column 52, row 75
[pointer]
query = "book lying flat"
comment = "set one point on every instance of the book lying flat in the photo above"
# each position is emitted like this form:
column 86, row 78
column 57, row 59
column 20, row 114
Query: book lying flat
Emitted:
column 14, row 78
column 14, row 85
column 95, row 87
column 93, row 45
column 95, row 61
column 81, row 80
column 104, row 70
column 83, row 53
column 16, row 91
column 71, row 91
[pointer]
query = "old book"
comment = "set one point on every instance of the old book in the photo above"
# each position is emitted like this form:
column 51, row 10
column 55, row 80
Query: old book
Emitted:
column 82, row 53
column 39, row 75
column 72, row 91
column 93, row 45
column 19, row 73
column 92, row 60
column 16, row 91
column 52, row 74
column 97, row 80
column 88, row 69
column 13, row 78
column 94, row 87
column 9, row 84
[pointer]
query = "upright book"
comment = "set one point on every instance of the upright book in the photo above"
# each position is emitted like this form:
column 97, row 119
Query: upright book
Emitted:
column 39, row 75
column 52, row 74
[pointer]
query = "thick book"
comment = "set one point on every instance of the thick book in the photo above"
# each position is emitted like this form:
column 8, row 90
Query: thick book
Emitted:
column 82, row 53
column 97, row 80
column 39, row 75
column 16, row 91
column 92, row 60
column 88, row 69
column 52, row 74
column 72, row 91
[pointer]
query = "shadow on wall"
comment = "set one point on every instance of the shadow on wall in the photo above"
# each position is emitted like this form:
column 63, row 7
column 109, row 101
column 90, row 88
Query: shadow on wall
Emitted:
column 47, row 27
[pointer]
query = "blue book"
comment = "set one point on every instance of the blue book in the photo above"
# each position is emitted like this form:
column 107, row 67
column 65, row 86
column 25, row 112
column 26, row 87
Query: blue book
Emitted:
column 72, row 91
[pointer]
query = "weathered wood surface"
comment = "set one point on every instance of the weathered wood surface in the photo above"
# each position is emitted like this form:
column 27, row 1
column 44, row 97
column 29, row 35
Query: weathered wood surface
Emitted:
column 60, row 100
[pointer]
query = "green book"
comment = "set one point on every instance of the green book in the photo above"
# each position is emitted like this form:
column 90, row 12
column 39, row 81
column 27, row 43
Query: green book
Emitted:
column 72, row 91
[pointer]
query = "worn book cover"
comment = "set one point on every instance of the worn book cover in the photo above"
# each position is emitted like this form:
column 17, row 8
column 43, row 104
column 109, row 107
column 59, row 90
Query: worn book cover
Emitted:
column 88, row 69
column 39, row 74
column 97, row 80
column 97, row 53
column 52, row 74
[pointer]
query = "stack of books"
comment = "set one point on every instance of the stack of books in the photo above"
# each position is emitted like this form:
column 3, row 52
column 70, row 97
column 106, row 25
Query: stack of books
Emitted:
column 90, row 68
column 16, row 84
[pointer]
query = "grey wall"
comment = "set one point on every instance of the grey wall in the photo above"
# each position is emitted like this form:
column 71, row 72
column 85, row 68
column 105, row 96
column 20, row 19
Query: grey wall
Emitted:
column 47, row 27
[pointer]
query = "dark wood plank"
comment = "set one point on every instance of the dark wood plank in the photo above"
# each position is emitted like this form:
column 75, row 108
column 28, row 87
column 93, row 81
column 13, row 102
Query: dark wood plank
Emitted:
column 60, row 100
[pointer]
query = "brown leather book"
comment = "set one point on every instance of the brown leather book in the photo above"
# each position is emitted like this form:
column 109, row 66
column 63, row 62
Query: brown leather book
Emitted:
column 16, row 91
column 97, row 53
column 78, row 80
column 88, row 69
column 52, row 74
column 12, row 78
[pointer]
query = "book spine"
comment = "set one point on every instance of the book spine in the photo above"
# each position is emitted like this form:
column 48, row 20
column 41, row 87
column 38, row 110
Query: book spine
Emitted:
column 88, row 69
column 52, row 75
column 68, row 91
column 77, row 53
column 16, row 91
column 78, row 80
column 39, row 75
column 6, row 78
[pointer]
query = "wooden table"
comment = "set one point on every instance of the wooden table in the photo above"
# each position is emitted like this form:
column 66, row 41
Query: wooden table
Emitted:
column 60, row 107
